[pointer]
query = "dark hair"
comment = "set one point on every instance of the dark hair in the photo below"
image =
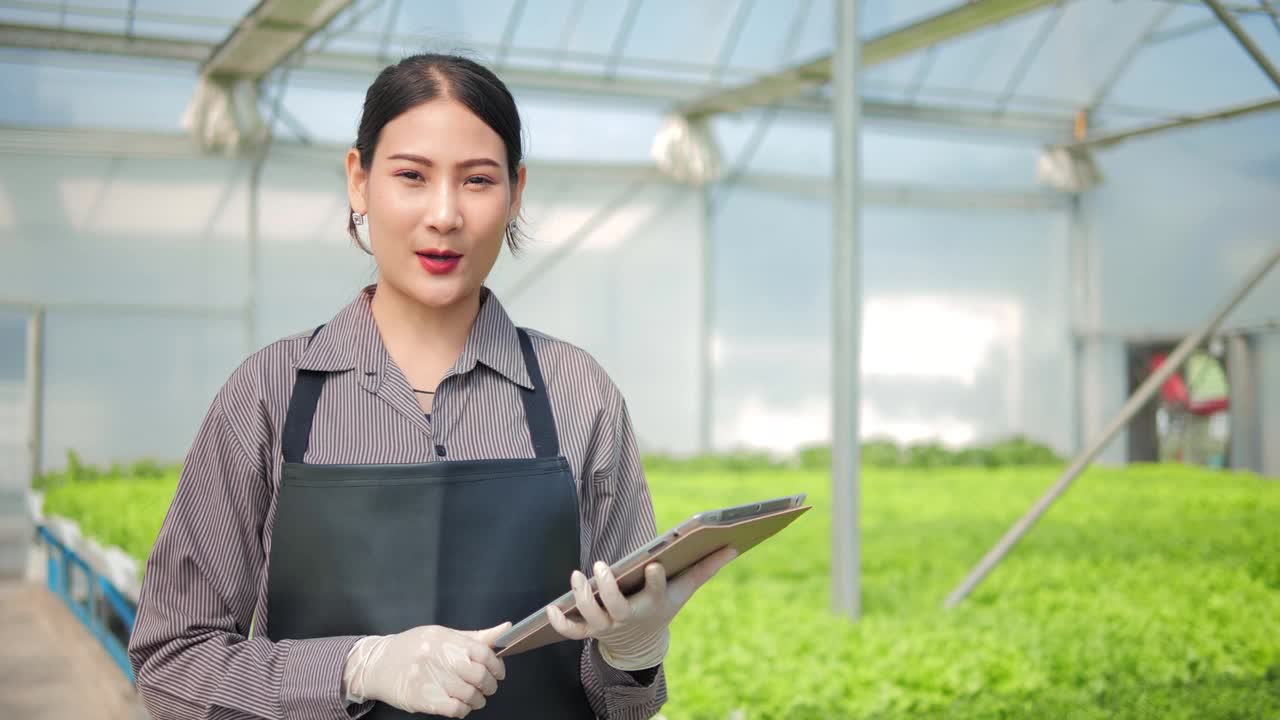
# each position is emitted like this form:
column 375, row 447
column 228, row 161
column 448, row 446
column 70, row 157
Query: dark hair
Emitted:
column 422, row 78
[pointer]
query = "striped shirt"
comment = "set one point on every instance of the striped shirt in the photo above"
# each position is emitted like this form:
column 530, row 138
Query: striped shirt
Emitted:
column 206, row 578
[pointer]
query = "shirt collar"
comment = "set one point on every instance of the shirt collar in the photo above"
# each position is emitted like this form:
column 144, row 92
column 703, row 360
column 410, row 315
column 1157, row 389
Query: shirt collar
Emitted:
column 351, row 341
column 494, row 343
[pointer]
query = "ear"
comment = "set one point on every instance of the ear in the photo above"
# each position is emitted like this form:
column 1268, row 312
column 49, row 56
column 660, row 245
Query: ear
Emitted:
column 517, row 194
column 357, row 181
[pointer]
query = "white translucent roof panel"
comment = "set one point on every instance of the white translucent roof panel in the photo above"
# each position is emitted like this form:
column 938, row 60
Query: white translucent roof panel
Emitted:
column 651, row 39
column 469, row 25
column 560, row 128
column 763, row 35
column 99, row 16
column 696, row 33
column 889, row 154
column 48, row 89
column 175, row 19
column 361, row 28
column 1133, row 61
column 899, row 80
column 1089, row 42
column 983, row 62
column 327, row 112
column 229, row 10
column 546, row 26
column 883, row 16
column 817, row 35
column 596, row 27
column 1153, row 58
column 1200, row 71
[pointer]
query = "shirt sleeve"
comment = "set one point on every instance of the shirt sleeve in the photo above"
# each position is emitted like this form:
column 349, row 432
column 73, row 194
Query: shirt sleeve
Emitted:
column 619, row 513
column 189, row 650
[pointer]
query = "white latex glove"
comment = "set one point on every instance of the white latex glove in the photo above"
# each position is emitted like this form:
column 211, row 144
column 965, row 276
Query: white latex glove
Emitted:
column 427, row 669
column 632, row 631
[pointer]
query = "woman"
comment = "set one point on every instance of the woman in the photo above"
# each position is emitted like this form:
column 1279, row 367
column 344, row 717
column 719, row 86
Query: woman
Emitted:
column 368, row 505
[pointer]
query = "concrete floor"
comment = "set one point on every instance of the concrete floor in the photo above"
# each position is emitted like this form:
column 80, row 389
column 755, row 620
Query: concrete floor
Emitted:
column 51, row 668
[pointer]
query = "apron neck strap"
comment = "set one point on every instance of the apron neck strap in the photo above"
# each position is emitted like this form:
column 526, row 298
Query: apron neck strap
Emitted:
column 537, row 405
column 302, row 410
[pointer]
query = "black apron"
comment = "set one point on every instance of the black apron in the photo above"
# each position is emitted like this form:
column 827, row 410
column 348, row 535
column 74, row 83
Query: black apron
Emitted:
column 379, row 549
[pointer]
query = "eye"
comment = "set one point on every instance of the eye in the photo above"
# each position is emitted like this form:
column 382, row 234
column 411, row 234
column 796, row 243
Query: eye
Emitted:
column 479, row 180
column 410, row 175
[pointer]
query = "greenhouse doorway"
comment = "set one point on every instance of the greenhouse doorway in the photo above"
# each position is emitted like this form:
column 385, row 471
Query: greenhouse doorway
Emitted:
column 1189, row 419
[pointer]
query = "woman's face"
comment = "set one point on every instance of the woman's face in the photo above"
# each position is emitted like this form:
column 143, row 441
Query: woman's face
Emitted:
column 437, row 199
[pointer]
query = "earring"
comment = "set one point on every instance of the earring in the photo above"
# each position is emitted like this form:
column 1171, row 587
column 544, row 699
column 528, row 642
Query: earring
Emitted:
column 357, row 218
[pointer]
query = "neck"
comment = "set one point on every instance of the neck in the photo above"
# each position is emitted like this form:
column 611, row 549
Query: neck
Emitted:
column 425, row 341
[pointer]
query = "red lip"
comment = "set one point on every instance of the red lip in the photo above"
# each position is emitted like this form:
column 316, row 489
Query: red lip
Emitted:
column 438, row 262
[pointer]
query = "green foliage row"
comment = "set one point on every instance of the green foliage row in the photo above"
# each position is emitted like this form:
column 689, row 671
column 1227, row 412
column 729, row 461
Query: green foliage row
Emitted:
column 1145, row 592
column 124, row 511
column 1017, row 451
column 78, row 472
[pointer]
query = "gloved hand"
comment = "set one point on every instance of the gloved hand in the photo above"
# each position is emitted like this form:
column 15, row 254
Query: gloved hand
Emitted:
column 426, row 669
column 632, row 631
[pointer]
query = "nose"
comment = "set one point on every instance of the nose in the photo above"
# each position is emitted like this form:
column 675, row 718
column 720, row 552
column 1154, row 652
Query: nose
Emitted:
column 443, row 212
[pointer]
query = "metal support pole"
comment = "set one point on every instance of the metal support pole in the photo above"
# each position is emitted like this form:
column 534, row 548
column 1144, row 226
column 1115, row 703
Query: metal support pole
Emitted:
column 706, row 330
column 252, row 251
column 35, row 394
column 1140, row 397
column 1245, row 452
column 1079, row 303
column 1242, row 37
column 846, row 314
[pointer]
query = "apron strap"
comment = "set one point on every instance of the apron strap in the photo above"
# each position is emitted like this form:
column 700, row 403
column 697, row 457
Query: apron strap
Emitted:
column 302, row 410
column 537, row 405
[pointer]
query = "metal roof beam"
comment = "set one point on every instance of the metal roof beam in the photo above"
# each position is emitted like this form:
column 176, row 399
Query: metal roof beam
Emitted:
column 676, row 92
column 44, row 37
column 1040, row 125
column 223, row 113
column 1115, row 138
column 268, row 34
column 1240, row 8
column 780, row 86
column 1242, row 37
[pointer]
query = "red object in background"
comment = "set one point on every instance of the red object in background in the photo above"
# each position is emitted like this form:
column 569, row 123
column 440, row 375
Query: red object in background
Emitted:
column 1174, row 391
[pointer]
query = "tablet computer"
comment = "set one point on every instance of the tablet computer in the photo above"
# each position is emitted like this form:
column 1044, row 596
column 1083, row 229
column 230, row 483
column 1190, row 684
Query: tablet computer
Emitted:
column 740, row 527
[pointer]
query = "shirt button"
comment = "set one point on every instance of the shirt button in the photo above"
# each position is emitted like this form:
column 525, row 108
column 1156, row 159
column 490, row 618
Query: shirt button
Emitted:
column 440, row 450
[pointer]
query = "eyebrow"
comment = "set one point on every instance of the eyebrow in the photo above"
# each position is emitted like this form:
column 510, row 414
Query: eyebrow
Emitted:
column 421, row 160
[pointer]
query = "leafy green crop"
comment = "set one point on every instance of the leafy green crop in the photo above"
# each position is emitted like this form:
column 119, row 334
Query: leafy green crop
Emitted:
column 77, row 472
column 1146, row 592
column 1016, row 451
column 123, row 512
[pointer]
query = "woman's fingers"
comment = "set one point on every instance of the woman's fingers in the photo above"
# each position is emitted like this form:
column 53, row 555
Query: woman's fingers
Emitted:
column 567, row 628
column 466, row 693
column 657, row 593
column 479, row 677
column 483, row 654
column 597, row 619
column 653, row 597
column 452, row 708
column 611, row 595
